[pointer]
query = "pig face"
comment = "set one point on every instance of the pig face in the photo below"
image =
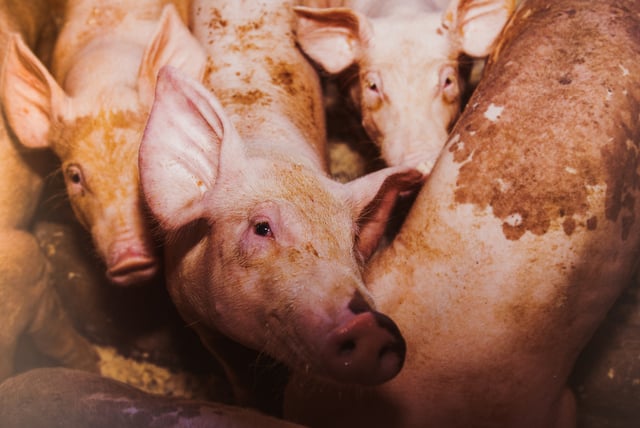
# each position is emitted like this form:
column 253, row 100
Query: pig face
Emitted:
column 94, row 125
column 99, row 165
column 266, row 250
column 407, row 84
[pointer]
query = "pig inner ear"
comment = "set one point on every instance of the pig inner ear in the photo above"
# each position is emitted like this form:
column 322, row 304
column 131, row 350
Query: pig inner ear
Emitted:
column 332, row 37
column 31, row 95
column 181, row 148
column 172, row 44
column 475, row 25
column 374, row 216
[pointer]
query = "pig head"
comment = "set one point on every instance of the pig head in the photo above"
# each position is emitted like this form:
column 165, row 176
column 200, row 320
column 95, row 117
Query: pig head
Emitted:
column 93, row 121
column 262, row 249
column 403, row 69
column 522, row 238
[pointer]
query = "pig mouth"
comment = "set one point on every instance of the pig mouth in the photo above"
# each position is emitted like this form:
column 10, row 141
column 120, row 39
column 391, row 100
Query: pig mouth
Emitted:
column 132, row 270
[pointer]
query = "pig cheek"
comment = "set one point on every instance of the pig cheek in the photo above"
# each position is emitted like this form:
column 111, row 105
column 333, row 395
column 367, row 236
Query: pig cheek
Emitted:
column 240, row 308
column 371, row 124
column 79, row 198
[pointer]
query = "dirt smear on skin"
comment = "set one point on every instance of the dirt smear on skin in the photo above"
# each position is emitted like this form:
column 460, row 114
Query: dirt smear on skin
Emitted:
column 536, row 176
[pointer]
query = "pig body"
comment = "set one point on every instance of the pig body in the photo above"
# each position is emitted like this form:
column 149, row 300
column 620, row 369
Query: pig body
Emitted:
column 28, row 302
column 521, row 240
column 401, row 63
column 91, row 111
column 260, row 244
column 63, row 397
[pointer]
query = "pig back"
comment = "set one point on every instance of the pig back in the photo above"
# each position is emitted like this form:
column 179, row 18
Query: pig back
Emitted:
column 260, row 76
column 526, row 231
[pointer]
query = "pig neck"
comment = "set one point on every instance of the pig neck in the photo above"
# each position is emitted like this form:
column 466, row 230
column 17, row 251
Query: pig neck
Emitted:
column 268, row 88
column 111, row 33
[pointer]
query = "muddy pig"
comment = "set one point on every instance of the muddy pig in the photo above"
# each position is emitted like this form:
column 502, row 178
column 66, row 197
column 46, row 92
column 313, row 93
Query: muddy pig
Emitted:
column 261, row 245
column 91, row 111
column 522, row 238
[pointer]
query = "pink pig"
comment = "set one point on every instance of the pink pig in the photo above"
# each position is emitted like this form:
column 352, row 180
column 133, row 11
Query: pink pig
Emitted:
column 92, row 111
column 401, row 61
column 521, row 240
column 261, row 245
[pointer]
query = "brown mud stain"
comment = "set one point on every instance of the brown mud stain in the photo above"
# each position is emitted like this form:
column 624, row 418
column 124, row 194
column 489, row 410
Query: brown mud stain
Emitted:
column 569, row 124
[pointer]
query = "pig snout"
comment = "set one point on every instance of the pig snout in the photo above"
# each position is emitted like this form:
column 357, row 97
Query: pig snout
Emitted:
column 129, row 264
column 367, row 349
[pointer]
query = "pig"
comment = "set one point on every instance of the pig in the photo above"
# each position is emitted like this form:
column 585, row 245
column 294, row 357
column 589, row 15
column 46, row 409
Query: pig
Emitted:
column 91, row 111
column 522, row 238
column 401, row 64
column 29, row 304
column 63, row 397
column 261, row 246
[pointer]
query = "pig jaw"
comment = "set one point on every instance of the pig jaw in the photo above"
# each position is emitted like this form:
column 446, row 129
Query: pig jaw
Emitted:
column 99, row 166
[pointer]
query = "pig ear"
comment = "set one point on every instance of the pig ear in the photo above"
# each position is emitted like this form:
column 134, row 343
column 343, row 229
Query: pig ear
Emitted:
column 172, row 44
column 474, row 25
column 374, row 196
column 32, row 98
column 332, row 37
column 181, row 148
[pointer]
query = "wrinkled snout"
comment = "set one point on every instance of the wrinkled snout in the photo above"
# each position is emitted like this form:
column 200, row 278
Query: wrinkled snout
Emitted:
column 129, row 264
column 366, row 349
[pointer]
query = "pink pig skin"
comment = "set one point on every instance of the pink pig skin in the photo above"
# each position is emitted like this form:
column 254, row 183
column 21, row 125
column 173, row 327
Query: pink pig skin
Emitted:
column 261, row 245
column 91, row 110
column 28, row 301
column 401, row 63
column 522, row 238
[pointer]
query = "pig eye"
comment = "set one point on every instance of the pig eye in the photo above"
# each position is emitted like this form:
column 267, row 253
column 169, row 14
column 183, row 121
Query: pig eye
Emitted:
column 73, row 174
column 263, row 229
column 372, row 95
column 75, row 180
column 449, row 84
column 372, row 82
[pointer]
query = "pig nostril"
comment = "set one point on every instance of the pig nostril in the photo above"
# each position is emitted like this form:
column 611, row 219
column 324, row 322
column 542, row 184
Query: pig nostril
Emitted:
column 386, row 350
column 347, row 347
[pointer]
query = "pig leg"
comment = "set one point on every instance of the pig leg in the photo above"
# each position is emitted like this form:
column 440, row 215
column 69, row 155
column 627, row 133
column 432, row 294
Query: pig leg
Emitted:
column 29, row 304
